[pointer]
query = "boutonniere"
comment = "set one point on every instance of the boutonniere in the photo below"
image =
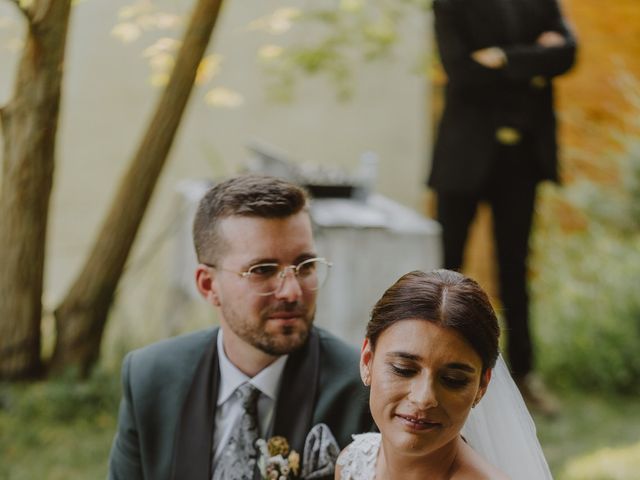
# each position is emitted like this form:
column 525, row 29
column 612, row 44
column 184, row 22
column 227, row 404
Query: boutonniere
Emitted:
column 276, row 461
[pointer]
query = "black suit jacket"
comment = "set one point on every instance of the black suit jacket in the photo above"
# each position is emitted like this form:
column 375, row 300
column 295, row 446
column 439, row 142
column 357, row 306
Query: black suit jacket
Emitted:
column 480, row 100
column 166, row 420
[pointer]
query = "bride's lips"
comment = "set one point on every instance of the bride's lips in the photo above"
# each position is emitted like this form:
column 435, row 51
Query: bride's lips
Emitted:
column 418, row 423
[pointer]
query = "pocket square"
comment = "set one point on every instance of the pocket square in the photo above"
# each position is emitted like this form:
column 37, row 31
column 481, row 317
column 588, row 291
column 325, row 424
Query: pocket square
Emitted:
column 321, row 451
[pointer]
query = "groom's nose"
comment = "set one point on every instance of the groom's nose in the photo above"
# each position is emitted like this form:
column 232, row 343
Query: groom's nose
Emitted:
column 289, row 288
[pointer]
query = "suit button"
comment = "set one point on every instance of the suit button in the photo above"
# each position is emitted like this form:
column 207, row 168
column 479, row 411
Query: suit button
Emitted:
column 538, row 82
column 508, row 135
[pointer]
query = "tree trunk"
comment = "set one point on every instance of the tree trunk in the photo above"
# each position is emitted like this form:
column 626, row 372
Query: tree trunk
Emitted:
column 81, row 317
column 29, row 124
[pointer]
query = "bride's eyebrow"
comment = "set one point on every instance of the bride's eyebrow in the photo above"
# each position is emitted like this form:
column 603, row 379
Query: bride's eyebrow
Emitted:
column 404, row 356
column 461, row 366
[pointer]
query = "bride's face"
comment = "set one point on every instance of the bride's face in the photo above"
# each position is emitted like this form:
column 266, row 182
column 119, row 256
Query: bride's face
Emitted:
column 424, row 380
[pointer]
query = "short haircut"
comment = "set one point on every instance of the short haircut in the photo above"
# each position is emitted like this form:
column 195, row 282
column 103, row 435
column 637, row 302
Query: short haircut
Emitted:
column 445, row 298
column 245, row 195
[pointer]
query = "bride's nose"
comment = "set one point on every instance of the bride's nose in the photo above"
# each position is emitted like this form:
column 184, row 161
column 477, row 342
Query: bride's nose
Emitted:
column 423, row 392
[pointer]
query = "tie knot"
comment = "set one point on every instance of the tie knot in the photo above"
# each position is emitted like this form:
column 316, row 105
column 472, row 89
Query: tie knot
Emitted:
column 249, row 398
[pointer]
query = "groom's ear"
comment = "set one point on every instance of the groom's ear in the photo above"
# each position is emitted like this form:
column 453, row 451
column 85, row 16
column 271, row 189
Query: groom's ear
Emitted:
column 206, row 283
column 366, row 358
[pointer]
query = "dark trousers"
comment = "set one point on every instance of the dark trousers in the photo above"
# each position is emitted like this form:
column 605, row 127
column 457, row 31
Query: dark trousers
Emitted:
column 510, row 193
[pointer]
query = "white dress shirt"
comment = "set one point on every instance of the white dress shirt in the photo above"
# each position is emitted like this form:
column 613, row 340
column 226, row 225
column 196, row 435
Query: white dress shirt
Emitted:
column 229, row 409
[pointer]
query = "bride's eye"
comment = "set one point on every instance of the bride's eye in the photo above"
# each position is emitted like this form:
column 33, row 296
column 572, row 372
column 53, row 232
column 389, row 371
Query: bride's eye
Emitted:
column 402, row 371
column 455, row 382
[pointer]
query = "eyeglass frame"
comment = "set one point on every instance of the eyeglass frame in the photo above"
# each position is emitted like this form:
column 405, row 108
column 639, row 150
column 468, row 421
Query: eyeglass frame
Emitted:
column 282, row 271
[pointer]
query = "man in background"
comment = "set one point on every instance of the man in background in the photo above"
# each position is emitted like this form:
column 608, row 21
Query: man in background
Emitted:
column 497, row 141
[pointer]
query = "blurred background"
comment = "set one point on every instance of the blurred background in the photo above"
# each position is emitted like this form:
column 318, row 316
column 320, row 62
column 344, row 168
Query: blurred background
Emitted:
column 345, row 93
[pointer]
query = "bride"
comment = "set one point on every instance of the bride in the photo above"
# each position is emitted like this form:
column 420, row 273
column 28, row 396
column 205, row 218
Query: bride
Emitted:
column 430, row 352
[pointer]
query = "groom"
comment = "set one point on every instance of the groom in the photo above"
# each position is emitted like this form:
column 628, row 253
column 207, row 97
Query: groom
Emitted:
column 194, row 405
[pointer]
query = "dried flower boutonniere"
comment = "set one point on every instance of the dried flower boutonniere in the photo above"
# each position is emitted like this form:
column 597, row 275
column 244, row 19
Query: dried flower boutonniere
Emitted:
column 276, row 461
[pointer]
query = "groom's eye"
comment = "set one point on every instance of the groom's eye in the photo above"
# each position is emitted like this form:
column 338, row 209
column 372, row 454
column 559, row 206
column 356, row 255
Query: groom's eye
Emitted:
column 264, row 270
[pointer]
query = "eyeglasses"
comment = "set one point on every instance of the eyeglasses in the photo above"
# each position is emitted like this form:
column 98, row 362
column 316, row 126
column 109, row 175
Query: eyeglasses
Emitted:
column 267, row 278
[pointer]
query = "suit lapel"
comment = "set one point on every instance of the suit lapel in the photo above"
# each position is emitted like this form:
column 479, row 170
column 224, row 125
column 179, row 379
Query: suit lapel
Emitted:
column 194, row 435
column 298, row 394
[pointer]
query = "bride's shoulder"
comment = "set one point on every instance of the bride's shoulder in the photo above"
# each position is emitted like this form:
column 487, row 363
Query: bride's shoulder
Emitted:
column 471, row 466
column 358, row 458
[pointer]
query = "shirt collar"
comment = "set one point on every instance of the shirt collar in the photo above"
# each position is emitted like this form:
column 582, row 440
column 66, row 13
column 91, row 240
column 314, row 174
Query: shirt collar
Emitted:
column 267, row 380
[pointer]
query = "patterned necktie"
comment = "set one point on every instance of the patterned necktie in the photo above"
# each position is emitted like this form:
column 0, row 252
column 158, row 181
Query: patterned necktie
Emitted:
column 238, row 459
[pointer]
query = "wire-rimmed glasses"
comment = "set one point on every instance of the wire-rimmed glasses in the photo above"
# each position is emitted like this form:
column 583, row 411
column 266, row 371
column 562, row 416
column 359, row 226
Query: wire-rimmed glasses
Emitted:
column 267, row 278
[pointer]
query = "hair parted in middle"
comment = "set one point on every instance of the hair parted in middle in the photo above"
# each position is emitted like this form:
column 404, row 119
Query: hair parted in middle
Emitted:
column 445, row 298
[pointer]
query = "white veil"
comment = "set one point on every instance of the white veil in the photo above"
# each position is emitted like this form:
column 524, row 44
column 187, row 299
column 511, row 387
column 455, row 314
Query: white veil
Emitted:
column 501, row 429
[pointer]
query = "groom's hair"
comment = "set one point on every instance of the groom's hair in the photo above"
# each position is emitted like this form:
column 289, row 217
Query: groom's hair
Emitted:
column 445, row 298
column 246, row 195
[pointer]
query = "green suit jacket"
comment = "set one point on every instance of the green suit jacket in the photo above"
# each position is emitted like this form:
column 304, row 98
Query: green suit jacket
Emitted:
column 167, row 412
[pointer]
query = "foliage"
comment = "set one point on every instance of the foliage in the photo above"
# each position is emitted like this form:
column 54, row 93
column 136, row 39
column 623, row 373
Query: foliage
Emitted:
column 586, row 304
column 587, row 260
column 592, row 102
column 333, row 38
column 159, row 25
column 60, row 429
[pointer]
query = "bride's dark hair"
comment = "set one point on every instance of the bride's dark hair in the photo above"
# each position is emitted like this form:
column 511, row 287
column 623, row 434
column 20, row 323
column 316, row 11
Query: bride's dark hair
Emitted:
column 445, row 298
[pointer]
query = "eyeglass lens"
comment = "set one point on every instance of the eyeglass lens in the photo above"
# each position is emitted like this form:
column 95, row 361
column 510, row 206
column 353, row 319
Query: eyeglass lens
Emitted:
column 268, row 278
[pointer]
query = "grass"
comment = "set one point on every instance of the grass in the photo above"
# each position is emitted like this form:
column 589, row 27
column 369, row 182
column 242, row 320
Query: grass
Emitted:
column 57, row 430
column 590, row 423
column 63, row 430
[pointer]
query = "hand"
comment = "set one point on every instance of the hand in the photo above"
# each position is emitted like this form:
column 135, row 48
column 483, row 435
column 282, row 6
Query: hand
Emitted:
column 490, row 57
column 551, row 39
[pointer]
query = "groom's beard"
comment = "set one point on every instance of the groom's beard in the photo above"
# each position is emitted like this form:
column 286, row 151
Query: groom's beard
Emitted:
column 282, row 328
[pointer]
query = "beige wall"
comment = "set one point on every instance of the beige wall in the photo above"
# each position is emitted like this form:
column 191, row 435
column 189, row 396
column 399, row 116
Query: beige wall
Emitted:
column 107, row 100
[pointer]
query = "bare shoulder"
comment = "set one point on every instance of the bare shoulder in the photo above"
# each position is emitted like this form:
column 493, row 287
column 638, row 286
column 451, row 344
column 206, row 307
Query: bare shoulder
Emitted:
column 471, row 466
column 338, row 472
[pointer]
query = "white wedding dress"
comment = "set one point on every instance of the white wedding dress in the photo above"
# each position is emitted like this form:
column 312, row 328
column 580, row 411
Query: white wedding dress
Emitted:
column 500, row 429
column 358, row 460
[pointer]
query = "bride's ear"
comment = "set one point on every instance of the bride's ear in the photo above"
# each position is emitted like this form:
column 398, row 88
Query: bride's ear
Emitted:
column 484, row 383
column 366, row 357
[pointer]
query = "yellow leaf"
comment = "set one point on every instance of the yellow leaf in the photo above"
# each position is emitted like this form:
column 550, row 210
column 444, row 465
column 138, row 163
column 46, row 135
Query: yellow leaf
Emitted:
column 269, row 52
column 351, row 5
column 162, row 45
column 278, row 23
column 135, row 9
column 208, row 68
column 167, row 20
column 159, row 21
column 159, row 79
column 162, row 61
column 224, row 97
column 126, row 32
